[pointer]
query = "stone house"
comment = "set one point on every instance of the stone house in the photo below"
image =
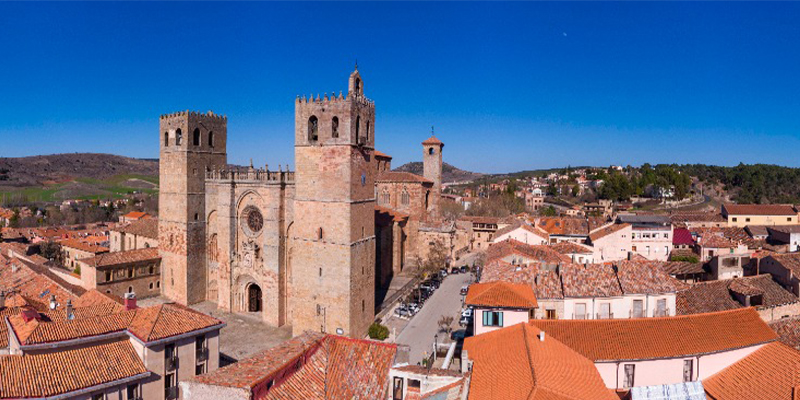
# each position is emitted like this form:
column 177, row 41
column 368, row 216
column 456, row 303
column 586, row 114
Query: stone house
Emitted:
column 140, row 234
column 132, row 271
column 611, row 242
column 74, row 250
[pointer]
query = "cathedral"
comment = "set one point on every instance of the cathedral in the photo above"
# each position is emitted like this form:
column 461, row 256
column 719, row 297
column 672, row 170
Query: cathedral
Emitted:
column 310, row 247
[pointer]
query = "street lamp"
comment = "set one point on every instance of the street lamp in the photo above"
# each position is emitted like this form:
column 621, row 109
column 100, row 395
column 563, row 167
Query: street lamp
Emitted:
column 435, row 344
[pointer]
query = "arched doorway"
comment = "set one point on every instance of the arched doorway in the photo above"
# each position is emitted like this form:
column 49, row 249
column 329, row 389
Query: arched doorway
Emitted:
column 253, row 298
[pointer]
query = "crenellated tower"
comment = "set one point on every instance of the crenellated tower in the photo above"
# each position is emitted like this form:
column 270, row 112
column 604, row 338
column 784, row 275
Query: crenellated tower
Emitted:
column 191, row 144
column 332, row 255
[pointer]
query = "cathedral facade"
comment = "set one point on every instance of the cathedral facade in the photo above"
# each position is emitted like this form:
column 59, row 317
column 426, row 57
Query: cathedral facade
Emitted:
column 304, row 247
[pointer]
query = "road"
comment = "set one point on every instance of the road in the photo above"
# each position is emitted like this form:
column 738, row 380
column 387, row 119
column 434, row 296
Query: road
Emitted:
column 446, row 300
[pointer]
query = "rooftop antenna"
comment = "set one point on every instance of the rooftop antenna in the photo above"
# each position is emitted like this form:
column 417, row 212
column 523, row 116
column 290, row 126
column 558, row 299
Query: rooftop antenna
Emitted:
column 356, row 64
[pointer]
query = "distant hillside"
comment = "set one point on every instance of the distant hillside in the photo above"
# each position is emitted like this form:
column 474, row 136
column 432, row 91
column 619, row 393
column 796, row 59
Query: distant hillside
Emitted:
column 449, row 172
column 77, row 175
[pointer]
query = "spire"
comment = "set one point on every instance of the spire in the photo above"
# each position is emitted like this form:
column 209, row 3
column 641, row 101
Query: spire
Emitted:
column 356, row 64
column 432, row 134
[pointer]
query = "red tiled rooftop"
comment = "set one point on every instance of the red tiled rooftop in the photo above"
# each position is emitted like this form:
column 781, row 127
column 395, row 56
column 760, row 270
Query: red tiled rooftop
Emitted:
column 655, row 338
column 147, row 227
column 770, row 373
column 432, row 140
column 759, row 209
column 122, row 257
column 501, row 294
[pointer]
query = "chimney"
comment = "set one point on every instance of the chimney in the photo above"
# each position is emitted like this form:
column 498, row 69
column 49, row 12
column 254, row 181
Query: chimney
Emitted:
column 541, row 336
column 130, row 301
column 53, row 302
column 70, row 313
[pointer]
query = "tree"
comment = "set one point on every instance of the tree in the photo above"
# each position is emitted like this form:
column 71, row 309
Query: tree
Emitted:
column 378, row 332
column 576, row 190
column 436, row 260
column 548, row 211
column 446, row 324
column 52, row 251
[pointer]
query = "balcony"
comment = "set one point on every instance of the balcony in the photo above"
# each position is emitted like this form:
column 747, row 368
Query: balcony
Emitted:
column 171, row 393
column 201, row 355
column 171, row 364
column 604, row 316
column 661, row 313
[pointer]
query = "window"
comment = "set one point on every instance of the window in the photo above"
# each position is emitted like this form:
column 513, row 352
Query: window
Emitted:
column 550, row 314
column 661, row 308
column 430, row 151
column 580, row 311
column 789, row 219
column 493, row 318
column 637, row 309
column 130, row 289
column 151, row 285
column 200, row 369
column 404, row 198
column 666, row 236
column 196, row 137
column 368, row 125
column 313, row 129
column 747, row 220
column 605, row 310
column 320, row 272
column 170, row 388
column 629, row 368
column 132, row 391
column 647, row 249
column 335, row 127
column 178, row 137
column 158, row 284
column 319, row 233
column 633, row 248
column 166, row 139
column 211, row 139
column 99, row 396
column 688, row 370
column 201, row 354
column 358, row 126
column 733, row 219
column 108, row 276
column 363, row 306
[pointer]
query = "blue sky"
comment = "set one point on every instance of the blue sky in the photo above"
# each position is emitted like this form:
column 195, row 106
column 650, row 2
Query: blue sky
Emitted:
column 508, row 86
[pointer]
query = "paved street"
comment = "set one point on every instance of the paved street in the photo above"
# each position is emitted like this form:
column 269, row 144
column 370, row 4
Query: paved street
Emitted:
column 446, row 300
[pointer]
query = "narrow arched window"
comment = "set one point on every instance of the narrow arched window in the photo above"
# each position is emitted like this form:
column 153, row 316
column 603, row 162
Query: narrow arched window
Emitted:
column 178, row 137
column 358, row 126
column 368, row 126
column 427, row 197
column 313, row 129
column 404, row 198
column 335, row 127
column 196, row 137
column 430, row 151
column 166, row 139
column 211, row 139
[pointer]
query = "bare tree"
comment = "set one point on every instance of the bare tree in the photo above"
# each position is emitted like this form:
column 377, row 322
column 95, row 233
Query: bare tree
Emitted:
column 446, row 324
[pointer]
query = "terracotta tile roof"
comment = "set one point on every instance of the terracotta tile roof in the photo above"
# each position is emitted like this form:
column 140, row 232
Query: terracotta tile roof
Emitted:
column 531, row 253
column 83, row 246
column 644, row 277
column 594, row 280
column 501, row 294
column 382, row 154
column 770, row 373
column 395, row 176
column 51, row 374
column 759, row 209
column 563, row 225
column 513, row 364
column 717, row 242
column 395, row 215
column 312, row 366
column 571, row 248
column 607, row 230
column 35, row 283
column 696, row 216
column 136, row 215
column 433, row 140
column 788, row 330
column 655, row 338
column 703, row 297
column 682, row 236
column 784, row 228
column 122, row 257
column 95, row 297
column 789, row 261
column 681, row 267
column 735, row 234
column 144, row 227
column 147, row 324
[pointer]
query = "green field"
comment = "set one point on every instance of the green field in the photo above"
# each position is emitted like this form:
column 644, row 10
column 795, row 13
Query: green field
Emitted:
column 84, row 189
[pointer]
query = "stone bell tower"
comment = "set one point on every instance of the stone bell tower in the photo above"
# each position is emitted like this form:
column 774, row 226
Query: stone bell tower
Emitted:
column 332, row 255
column 191, row 144
column 432, row 169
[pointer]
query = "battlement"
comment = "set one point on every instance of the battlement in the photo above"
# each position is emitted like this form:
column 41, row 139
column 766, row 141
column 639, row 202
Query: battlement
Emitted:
column 251, row 175
column 333, row 99
column 187, row 113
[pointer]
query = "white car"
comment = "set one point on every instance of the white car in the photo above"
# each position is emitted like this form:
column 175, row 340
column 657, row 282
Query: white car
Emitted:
column 466, row 313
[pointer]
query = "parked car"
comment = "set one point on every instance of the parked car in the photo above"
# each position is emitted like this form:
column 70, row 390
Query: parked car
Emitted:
column 413, row 307
column 401, row 312
column 464, row 269
column 443, row 273
column 454, row 270
column 464, row 290
column 464, row 321
column 467, row 312
column 427, row 285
